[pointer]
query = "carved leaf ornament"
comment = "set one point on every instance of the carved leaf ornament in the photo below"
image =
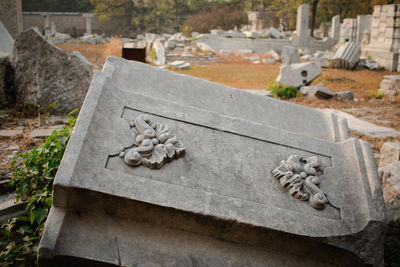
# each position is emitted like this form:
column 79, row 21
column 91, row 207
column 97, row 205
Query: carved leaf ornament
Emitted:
column 154, row 144
column 299, row 176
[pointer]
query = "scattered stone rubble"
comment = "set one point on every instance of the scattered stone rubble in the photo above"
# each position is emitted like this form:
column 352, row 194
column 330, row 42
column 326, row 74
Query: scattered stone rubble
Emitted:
column 389, row 171
column 299, row 74
column 347, row 56
column 390, row 85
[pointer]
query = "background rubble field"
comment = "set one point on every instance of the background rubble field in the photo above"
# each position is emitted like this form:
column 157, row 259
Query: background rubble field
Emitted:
column 98, row 53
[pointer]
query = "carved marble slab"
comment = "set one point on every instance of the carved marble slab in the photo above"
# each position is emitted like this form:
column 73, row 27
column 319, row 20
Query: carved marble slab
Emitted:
column 227, row 165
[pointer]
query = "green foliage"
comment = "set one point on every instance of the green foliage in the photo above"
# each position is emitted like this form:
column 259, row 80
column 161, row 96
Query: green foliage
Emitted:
column 283, row 91
column 33, row 181
column 375, row 94
column 153, row 54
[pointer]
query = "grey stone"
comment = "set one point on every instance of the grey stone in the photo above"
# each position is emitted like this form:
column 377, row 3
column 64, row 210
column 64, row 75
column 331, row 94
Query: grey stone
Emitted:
column 347, row 56
column 160, row 53
column 234, row 34
column 290, row 55
column 242, row 52
column 179, row 64
column 372, row 65
column 81, row 57
column 11, row 132
column 364, row 127
column 222, row 201
column 6, row 41
column 170, row 44
column 335, row 30
column 268, row 60
column 45, row 74
column 345, row 95
column 271, row 33
column 390, row 175
column 390, row 85
column 92, row 39
column 317, row 91
column 204, row 47
column 273, row 54
column 59, row 38
column 390, row 152
column 44, row 132
column 299, row 74
column 217, row 32
column 302, row 24
column 363, row 24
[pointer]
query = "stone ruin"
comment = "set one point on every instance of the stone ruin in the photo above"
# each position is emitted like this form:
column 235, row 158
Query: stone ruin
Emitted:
column 166, row 168
column 43, row 75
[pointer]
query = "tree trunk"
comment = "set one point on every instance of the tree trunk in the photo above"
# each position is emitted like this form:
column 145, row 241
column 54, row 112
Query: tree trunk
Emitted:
column 313, row 15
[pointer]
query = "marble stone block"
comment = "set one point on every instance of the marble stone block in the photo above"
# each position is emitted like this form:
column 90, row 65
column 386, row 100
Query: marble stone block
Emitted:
column 299, row 74
column 163, row 169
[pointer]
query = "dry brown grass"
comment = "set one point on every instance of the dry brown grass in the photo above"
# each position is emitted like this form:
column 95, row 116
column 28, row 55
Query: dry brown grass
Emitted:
column 97, row 54
column 239, row 74
column 242, row 74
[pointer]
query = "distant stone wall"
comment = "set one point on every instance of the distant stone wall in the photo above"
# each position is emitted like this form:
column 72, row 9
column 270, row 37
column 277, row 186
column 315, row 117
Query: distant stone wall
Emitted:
column 75, row 23
column 261, row 46
column 11, row 16
column 385, row 37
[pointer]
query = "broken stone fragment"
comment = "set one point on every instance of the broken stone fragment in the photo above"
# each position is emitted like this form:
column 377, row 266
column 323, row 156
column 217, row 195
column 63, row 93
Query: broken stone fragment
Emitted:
column 345, row 95
column 290, row 55
column 317, row 91
column 390, row 153
column 299, row 74
column 45, row 74
column 390, row 85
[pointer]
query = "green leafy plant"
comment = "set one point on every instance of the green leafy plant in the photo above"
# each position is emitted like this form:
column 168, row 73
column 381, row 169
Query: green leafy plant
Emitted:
column 33, row 181
column 153, row 54
column 283, row 91
column 375, row 94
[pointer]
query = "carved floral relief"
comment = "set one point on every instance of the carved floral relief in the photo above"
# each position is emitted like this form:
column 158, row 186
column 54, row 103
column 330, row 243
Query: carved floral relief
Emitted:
column 300, row 176
column 154, row 144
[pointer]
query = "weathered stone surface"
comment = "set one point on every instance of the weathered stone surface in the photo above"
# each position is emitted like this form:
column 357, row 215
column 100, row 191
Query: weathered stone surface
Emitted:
column 45, row 74
column 11, row 16
column 268, row 60
column 390, row 152
column 364, row 127
column 317, row 91
column 302, row 24
column 220, row 202
column 390, row 85
column 290, row 55
column 347, row 56
column 6, row 41
column 299, row 74
column 44, row 131
column 345, row 95
column 390, row 175
column 335, row 30
column 179, row 64
column 160, row 53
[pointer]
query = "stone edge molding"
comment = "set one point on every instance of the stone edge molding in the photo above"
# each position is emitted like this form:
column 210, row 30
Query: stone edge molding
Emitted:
column 154, row 144
column 300, row 176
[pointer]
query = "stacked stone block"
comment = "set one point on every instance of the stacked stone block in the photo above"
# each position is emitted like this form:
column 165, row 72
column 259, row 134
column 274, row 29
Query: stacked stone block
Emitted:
column 385, row 36
column 348, row 32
